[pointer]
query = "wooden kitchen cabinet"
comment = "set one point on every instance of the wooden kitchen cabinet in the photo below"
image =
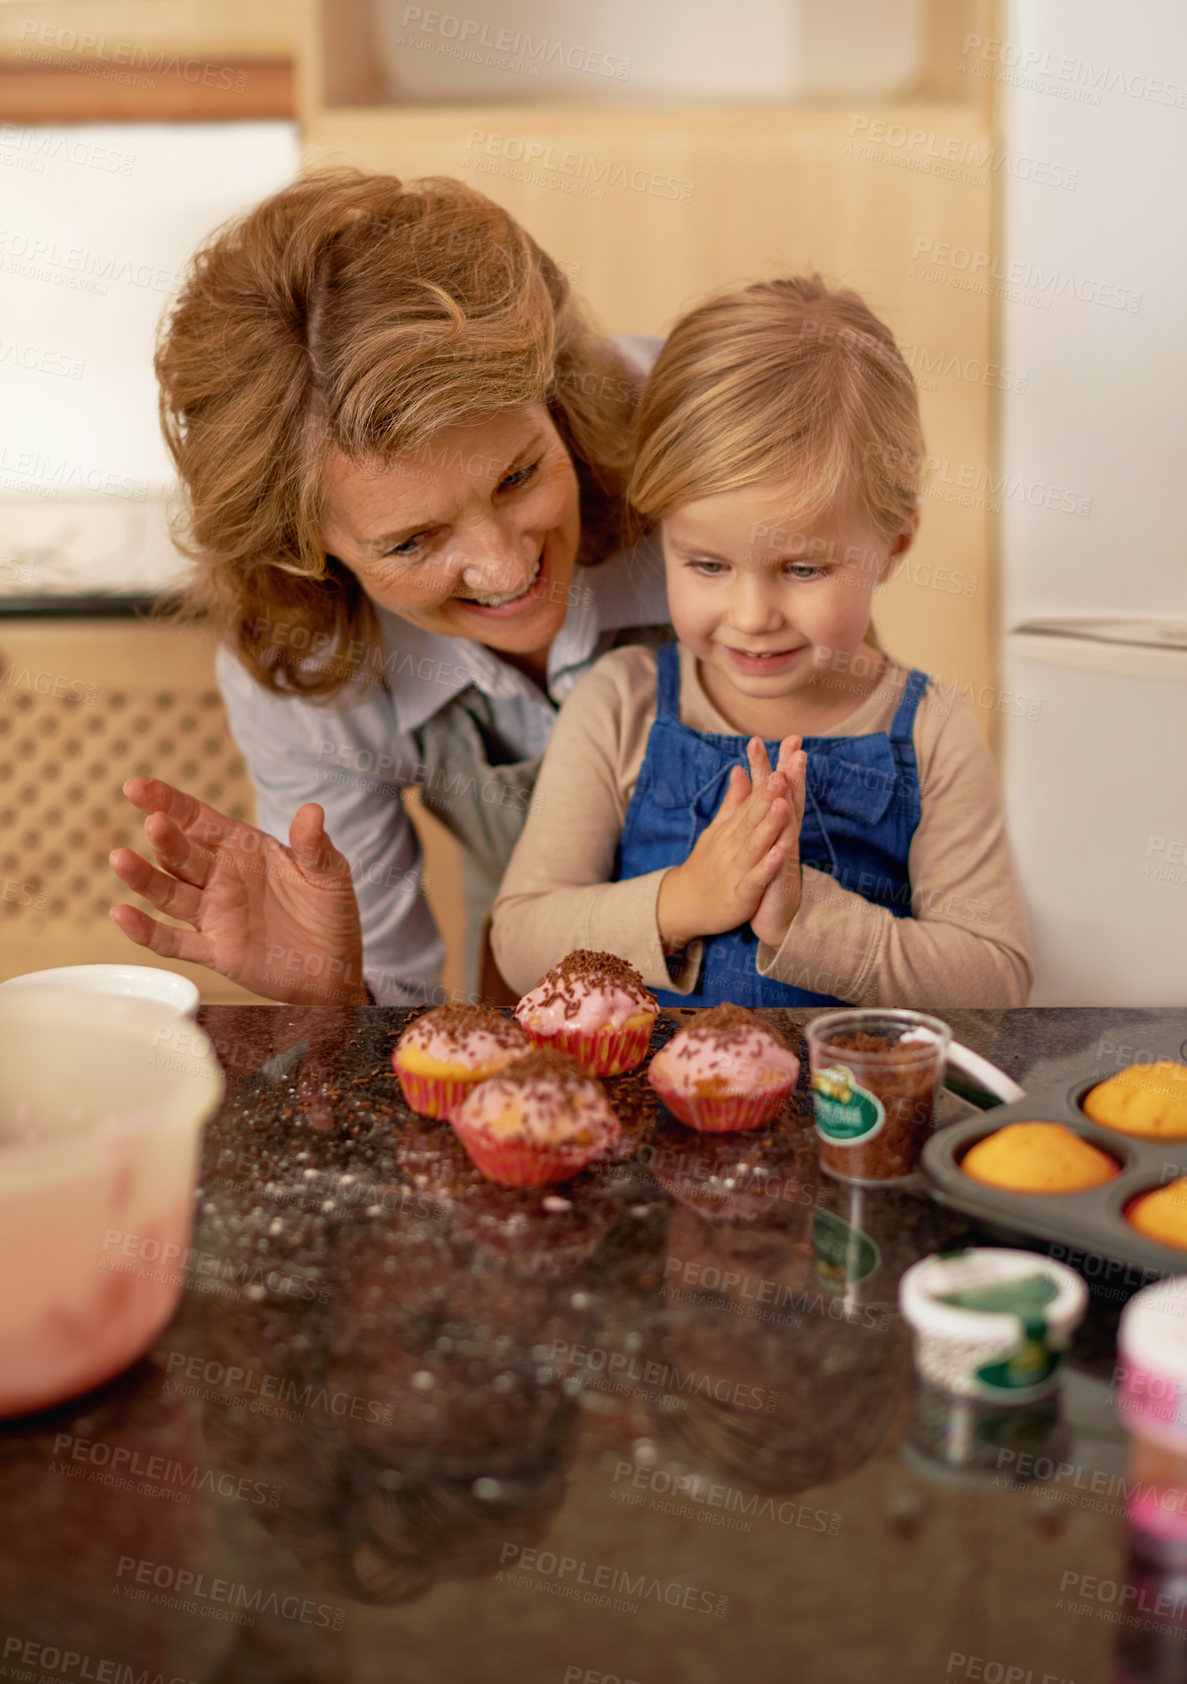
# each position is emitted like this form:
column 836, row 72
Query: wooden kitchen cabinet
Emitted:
column 84, row 61
column 85, row 705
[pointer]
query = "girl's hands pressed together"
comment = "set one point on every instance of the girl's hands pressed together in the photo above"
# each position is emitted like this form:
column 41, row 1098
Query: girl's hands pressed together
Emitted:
column 281, row 921
column 780, row 902
column 723, row 881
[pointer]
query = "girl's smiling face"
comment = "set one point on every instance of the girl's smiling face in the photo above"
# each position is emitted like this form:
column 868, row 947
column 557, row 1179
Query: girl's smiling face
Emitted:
column 768, row 604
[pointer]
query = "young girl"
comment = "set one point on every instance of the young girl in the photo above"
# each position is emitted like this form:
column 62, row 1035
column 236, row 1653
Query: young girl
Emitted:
column 771, row 810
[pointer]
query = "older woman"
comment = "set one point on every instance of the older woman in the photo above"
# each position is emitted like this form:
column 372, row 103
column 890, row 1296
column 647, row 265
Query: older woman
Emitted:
column 402, row 451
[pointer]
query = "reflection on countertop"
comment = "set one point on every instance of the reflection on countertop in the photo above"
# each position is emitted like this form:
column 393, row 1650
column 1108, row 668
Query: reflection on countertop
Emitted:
column 646, row 1425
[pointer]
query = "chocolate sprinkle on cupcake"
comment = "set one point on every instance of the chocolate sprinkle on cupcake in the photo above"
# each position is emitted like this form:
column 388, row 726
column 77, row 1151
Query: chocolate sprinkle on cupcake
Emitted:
column 595, row 970
column 544, row 1065
column 460, row 1021
column 728, row 1023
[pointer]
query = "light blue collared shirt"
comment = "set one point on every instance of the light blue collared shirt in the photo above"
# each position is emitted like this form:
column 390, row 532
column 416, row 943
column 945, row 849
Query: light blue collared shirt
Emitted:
column 354, row 757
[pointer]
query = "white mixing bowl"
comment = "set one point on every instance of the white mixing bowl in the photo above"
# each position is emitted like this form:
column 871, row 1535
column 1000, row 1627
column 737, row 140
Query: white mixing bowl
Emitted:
column 143, row 982
column 102, row 1103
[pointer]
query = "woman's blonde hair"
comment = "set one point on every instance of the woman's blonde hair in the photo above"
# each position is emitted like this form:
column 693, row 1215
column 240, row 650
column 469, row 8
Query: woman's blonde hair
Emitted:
column 357, row 313
column 788, row 382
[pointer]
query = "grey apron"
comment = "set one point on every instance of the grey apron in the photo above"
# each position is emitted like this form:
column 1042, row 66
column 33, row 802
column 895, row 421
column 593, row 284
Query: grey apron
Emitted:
column 471, row 780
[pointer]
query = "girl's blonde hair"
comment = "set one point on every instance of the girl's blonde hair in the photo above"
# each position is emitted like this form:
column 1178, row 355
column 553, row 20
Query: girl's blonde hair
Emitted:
column 353, row 312
column 788, row 382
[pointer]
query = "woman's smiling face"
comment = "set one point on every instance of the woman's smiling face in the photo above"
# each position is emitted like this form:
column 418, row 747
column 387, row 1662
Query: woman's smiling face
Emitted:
column 472, row 535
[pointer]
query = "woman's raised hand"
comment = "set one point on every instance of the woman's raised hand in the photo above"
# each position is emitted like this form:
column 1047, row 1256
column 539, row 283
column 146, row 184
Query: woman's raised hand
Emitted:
column 283, row 922
column 722, row 882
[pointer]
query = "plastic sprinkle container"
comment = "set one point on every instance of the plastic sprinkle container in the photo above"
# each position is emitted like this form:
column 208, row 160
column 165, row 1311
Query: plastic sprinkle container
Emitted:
column 992, row 1324
column 1152, row 1404
column 874, row 1076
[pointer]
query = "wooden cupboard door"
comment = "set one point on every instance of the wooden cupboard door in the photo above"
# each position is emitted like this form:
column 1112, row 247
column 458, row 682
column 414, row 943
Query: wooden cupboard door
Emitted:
column 84, row 705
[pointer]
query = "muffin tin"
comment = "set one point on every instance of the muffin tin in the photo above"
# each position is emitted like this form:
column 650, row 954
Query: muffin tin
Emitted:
column 1091, row 1222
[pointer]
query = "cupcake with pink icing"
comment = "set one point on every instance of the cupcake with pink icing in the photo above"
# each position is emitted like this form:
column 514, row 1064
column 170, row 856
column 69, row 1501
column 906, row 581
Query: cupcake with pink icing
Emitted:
column 443, row 1053
column 541, row 1119
column 724, row 1070
column 594, row 1006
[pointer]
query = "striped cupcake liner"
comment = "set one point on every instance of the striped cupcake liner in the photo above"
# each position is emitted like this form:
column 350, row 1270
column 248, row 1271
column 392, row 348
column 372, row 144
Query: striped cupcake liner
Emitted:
column 602, row 1052
column 520, row 1164
column 432, row 1096
column 723, row 1114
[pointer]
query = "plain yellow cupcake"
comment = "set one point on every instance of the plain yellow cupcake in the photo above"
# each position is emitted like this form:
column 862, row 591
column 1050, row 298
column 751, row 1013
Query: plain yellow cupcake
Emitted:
column 1146, row 1099
column 1162, row 1215
column 1038, row 1158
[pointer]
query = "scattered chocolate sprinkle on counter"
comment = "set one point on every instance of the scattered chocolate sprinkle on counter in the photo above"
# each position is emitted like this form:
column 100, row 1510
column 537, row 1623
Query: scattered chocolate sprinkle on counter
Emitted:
column 403, row 1397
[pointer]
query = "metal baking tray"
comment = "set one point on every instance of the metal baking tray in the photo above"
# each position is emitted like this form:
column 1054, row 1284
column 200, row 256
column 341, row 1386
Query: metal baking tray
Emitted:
column 1085, row 1227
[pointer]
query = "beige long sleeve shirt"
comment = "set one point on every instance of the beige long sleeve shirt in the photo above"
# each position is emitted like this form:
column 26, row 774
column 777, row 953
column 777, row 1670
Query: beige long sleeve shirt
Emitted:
column 965, row 943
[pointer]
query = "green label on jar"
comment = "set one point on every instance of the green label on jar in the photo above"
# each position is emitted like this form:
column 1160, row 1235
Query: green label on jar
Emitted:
column 1021, row 1297
column 1028, row 1366
column 846, row 1113
column 844, row 1256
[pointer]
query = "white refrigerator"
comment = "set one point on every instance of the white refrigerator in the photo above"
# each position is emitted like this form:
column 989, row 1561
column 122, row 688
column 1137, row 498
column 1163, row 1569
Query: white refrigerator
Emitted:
column 1092, row 276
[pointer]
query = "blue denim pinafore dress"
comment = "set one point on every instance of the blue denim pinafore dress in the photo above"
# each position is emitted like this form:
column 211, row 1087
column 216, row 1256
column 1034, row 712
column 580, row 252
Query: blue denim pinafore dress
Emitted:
column 862, row 808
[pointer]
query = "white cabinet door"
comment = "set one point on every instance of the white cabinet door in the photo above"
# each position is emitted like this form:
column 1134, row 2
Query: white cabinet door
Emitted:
column 1096, row 794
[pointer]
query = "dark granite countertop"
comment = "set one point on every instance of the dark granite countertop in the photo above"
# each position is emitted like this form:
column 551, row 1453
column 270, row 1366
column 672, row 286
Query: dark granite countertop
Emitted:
column 409, row 1426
